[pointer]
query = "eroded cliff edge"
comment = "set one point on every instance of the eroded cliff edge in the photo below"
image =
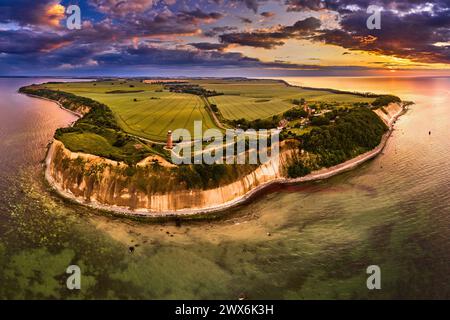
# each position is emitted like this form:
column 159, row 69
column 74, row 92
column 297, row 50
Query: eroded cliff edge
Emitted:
column 105, row 184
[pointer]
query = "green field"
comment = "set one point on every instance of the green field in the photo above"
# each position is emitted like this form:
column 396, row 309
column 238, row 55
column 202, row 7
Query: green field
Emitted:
column 259, row 99
column 237, row 107
column 149, row 111
column 154, row 112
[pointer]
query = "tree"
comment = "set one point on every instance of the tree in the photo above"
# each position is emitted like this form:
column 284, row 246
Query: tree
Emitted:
column 385, row 100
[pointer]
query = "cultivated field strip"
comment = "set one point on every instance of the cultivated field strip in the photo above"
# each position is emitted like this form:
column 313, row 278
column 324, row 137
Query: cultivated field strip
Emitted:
column 237, row 107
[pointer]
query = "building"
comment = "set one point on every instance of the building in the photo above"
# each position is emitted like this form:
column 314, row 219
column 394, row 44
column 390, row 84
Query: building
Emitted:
column 282, row 124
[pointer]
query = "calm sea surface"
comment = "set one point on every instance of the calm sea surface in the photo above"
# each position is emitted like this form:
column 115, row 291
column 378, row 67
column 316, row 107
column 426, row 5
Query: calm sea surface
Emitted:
column 307, row 241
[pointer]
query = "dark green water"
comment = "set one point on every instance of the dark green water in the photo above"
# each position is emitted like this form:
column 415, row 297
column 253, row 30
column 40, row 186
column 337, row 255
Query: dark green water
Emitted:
column 393, row 212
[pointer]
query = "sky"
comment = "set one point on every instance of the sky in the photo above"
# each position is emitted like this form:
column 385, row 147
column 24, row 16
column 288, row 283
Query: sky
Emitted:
column 224, row 38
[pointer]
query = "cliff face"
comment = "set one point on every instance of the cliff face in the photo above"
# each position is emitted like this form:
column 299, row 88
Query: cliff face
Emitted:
column 103, row 183
column 389, row 113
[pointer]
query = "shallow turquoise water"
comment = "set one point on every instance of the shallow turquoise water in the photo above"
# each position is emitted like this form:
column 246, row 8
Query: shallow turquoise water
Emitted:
column 306, row 241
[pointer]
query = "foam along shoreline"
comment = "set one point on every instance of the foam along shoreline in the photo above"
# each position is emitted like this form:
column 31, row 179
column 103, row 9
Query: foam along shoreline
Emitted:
column 389, row 118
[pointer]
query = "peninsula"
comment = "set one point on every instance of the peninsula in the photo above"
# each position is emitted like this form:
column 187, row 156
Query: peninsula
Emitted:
column 115, row 157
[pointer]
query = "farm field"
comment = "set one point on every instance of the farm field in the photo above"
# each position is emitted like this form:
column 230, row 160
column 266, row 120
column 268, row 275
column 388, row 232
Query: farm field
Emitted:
column 259, row 99
column 149, row 111
column 237, row 107
column 144, row 109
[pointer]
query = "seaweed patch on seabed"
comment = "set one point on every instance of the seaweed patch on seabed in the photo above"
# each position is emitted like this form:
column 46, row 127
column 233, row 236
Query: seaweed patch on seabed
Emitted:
column 38, row 219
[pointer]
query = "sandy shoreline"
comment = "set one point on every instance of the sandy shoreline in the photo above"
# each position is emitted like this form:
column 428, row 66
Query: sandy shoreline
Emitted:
column 315, row 175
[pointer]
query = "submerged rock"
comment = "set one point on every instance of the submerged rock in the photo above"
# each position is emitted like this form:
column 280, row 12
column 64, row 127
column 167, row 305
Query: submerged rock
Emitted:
column 242, row 296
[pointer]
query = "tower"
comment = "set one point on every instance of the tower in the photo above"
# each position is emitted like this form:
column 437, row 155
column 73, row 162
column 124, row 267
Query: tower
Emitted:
column 169, row 144
column 307, row 109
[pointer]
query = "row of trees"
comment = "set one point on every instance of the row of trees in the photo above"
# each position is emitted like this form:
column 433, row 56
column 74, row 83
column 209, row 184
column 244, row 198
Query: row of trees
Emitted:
column 191, row 89
column 257, row 124
column 295, row 113
column 384, row 100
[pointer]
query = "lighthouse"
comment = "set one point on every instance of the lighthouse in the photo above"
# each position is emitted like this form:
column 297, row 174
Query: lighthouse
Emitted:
column 169, row 144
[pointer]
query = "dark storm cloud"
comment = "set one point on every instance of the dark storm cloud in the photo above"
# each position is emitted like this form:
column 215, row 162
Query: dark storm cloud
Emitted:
column 267, row 14
column 271, row 38
column 37, row 46
column 409, row 35
column 219, row 30
column 122, row 7
column 264, row 40
column 52, row 52
column 24, row 42
column 300, row 5
column 209, row 46
column 167, row 23
column 200, row 15
column 250, row 4
column 245, row 20
column 119, row 32
column 148, row 55
column 409, row 29
column 162, row 23
column 342, row 5
column 27, row 12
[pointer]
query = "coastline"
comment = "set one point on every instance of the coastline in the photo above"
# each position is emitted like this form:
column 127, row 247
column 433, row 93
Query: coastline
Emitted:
column 321, row 174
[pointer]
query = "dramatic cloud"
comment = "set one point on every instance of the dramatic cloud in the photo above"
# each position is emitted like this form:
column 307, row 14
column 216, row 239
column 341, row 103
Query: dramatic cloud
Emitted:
column 23, row 42
column 163, row 23
column 49, row 52
column 121, row 7
column 31, row 12
column 149, row 55
column 219, row 30
column 411, row 35
column 269, row 39
column 267, row 14
column 199, row 15
column 410, row 28
column 139, row 33
column 300, row 5
column 245, row 20
column 346, row 6
column 168, row 23
column 209, row 46
column 250, row 4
